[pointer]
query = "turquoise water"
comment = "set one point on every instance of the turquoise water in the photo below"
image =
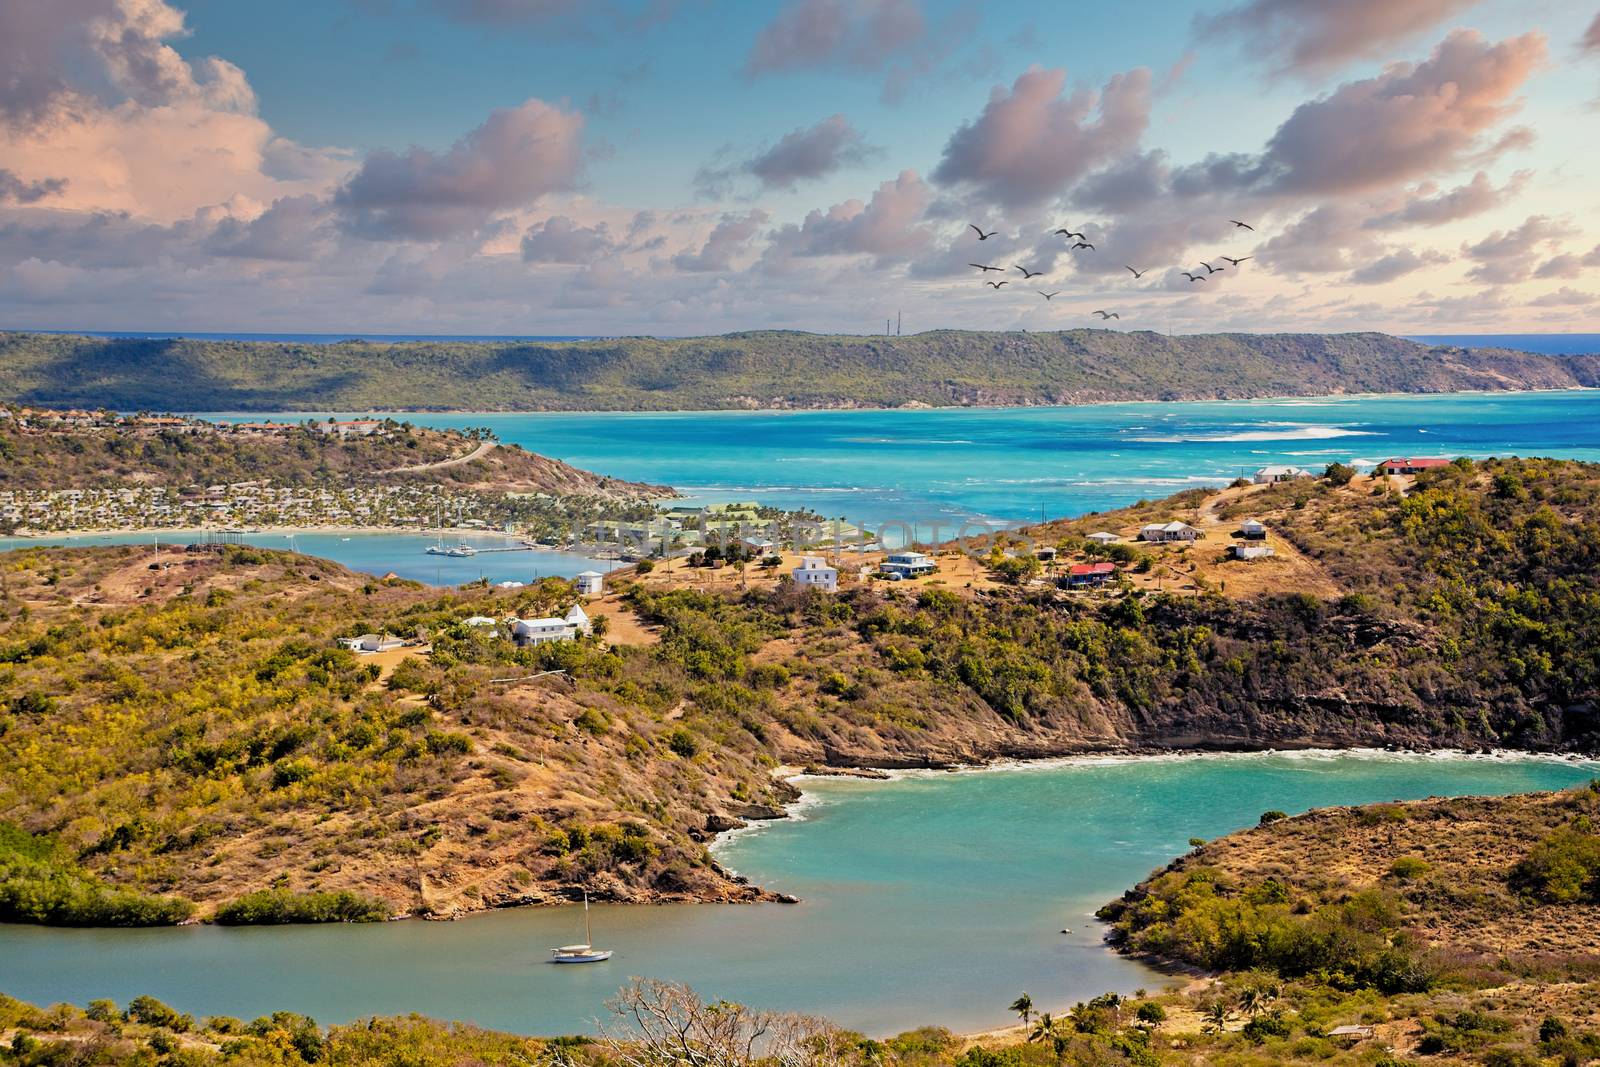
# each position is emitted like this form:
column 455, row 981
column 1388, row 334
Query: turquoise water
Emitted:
column 933, row 898
column 934, row 470
column 1015, row 464
column 376, row 553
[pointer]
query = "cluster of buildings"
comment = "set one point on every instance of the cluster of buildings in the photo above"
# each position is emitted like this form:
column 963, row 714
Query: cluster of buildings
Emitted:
column 29, row 418
column 240, row 504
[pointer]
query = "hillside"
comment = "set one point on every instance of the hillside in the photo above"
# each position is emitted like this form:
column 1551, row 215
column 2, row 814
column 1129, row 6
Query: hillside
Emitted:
column 751, row 370
column 1462, row 930
column 41, row 453
column 184, row 725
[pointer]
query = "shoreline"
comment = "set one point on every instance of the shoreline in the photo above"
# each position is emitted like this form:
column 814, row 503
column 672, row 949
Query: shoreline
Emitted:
column 906, row 406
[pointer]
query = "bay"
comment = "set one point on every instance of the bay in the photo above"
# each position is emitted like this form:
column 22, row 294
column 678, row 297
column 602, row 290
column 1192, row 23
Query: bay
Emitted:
column 931, row 898
column 938, row 468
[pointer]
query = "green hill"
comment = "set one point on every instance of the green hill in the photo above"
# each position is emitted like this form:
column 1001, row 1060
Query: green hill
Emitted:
column 751, row 370
column 184, row 724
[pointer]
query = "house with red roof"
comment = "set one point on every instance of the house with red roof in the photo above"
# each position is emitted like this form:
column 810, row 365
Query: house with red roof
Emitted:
column 1411, row 464
column 1089, row 575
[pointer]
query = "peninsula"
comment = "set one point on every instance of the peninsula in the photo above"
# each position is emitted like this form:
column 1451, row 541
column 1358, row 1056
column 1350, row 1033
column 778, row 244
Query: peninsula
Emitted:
column 221, row 743
column 769, row 369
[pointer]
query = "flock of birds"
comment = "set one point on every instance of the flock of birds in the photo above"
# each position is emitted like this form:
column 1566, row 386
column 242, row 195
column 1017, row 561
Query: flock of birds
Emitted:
column 1083, row 243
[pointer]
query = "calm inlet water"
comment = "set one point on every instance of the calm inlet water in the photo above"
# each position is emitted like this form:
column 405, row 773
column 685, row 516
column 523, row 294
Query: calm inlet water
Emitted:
column 930, row 898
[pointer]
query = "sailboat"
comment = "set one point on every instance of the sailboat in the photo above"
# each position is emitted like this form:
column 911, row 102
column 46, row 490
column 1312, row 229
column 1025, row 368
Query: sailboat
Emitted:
column 586, row 952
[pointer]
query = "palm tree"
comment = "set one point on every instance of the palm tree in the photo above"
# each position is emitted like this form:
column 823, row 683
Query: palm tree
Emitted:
column 1047, row 1030
column 1216, row 1016
column 1023, row 1006
column 1253, row 1000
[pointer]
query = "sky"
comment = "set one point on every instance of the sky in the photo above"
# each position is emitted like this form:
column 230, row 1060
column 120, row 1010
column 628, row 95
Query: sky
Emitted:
column 681, row 167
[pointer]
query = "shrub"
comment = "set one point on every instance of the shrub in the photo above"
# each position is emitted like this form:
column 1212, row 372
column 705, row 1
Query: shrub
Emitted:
column 1270, row 817
column 1406, row 868
column 682, row 742
column 1564, row 868
column 272, row 907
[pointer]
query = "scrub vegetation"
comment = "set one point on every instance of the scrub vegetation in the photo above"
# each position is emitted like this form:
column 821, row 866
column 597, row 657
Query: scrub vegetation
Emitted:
column 765, row 369
column 184, row 724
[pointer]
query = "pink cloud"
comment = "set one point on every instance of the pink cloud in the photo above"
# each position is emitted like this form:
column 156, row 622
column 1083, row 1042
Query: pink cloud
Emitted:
column 1031, row 143
column 1314, row 36
column 518, row 155
column 862, row 34
column 1409, row 121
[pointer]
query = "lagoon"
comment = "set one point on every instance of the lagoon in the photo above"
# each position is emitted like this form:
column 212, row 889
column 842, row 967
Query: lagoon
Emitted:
column 930, row 898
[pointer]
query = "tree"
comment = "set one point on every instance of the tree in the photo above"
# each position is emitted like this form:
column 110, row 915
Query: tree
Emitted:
column 1339, row 473
column 1023, row 1006
column 665, row 1024
column 1216, row 1016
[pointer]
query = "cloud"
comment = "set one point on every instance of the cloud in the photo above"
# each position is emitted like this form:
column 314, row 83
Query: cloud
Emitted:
column 293, row 229
column 1464, row 201
column 864, row 35
column 1396, row 264
column 728, row 239
column 1507, row 256
column 1309, row 37
column 889, row 226
column 1563, row 297
column 518, row 155
column 1030, row 144
column 1408, row 122
column 1591, row 36
column 14, row 190
column 559, row 239
column 803, row 154
column 810, row 153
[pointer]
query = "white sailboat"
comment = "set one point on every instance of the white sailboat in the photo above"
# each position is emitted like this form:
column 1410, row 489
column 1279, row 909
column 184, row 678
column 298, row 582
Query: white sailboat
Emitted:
column 586, row 952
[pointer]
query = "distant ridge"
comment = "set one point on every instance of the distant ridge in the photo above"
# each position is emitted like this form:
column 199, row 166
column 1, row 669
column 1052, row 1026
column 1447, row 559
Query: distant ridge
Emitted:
column 754, row 370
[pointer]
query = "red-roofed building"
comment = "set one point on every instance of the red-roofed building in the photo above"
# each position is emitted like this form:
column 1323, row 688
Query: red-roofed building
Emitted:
column 1411, row 465
column 1081, row 575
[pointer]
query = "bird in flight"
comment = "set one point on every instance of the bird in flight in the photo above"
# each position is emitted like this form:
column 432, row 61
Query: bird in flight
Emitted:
column 1068, row 233
column 1083, row 244
column 981, row 235
column 1210, row 269
column 1046, row 295
column 1104, row 315
column 1238, row 261
column 982, row 267
column 995, row 284
column 1137, row 274
column 1243, row 225
column 1026, row 273
column 1193, row 277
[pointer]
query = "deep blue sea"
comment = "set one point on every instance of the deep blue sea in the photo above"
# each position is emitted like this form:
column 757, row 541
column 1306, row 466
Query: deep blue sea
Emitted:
column 1550, row 344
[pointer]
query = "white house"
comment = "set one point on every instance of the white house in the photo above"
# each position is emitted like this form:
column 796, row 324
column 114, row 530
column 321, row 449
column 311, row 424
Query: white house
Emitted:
column 814, row 573
column 1102, row 538
column 907, row 564
column 1253, row 530
column 589, row 583
column 578, row 619
column 542, row 631
column 1267, row 475
column 477, row 621
column 1168, row 531
column 758, row 547
column 371, row 643
column 1250, row 551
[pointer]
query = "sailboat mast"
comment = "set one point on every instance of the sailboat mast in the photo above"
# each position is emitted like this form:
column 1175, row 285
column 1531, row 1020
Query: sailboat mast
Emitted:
column 588, row 937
